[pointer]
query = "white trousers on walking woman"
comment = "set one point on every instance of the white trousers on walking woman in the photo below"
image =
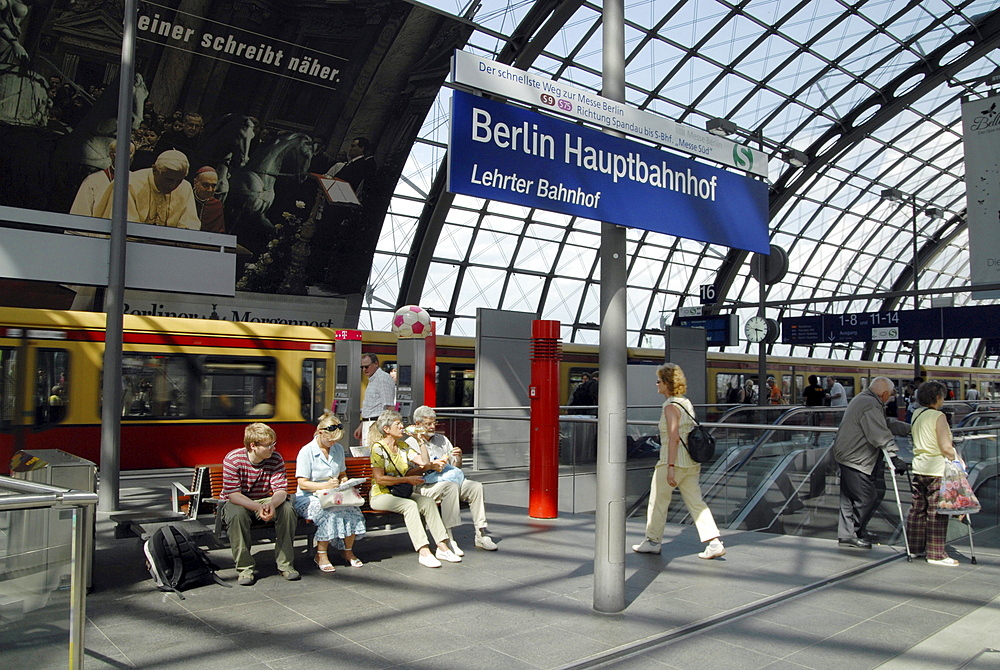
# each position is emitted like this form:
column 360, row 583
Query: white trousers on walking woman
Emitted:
column 659, row 502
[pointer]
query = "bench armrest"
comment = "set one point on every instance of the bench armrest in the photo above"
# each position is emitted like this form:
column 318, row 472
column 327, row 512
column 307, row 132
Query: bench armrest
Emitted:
column 176, row 491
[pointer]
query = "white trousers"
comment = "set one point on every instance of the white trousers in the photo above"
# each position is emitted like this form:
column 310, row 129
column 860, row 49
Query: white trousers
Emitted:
column 659, row 502
column 449, row 495
column 415, row 511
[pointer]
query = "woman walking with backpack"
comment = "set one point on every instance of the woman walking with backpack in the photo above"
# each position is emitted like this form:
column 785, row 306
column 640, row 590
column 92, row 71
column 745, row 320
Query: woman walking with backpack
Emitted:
column 676, row 469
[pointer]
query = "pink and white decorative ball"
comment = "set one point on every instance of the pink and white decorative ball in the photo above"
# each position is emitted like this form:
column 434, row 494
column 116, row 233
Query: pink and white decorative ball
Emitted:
column 411, row 321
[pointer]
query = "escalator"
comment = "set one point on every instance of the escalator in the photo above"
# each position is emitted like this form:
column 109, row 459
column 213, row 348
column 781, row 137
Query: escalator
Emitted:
column 780, row 476
column 780, row 479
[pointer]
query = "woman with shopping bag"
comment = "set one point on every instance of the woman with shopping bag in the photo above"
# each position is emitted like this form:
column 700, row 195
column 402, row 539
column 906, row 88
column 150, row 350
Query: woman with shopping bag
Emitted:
column 321, row 468
column 933, row 448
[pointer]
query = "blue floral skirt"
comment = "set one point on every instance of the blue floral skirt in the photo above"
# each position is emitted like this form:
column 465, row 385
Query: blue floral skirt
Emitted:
column 333, row 524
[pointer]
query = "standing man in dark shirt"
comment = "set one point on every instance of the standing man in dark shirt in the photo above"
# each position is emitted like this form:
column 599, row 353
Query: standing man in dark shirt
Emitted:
column 814, row 394
column 863, row 435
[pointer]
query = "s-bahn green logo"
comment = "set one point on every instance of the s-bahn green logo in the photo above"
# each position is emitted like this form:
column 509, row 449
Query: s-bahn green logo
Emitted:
column 743, row 157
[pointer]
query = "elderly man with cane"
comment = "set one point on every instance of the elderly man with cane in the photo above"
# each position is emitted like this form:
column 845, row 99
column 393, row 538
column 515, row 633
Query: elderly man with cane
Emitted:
column 864, row 434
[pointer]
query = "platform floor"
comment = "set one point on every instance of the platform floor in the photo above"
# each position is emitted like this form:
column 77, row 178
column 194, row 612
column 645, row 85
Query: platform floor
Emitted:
column 772, row 602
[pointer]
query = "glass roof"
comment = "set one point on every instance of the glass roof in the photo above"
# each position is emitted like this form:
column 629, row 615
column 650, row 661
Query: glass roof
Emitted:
column 857, row 86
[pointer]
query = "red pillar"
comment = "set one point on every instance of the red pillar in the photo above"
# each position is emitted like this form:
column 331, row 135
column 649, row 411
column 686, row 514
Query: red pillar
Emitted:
column 543, row 472
column 430, row 369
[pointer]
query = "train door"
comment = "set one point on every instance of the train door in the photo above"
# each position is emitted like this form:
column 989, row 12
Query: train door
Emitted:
column 51, row 396
column 8, row 387
column 456, row 384
column 791, row 389
column 313, row 389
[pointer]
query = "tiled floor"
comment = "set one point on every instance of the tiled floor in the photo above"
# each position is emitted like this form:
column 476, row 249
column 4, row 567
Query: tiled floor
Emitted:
column 773, row 602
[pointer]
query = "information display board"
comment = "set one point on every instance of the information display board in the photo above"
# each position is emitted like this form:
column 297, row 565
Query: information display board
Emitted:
column 922, row 324
column 720, row 330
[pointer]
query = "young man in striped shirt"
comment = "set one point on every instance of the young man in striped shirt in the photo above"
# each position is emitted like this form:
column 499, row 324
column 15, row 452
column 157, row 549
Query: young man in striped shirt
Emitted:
column 254, row 484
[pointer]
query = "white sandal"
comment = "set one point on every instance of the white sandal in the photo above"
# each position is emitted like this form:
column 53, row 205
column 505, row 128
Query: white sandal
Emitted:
column 947, row 560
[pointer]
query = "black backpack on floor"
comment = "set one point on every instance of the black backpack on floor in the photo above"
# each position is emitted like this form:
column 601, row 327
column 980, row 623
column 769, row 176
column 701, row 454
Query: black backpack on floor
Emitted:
column 176, row 563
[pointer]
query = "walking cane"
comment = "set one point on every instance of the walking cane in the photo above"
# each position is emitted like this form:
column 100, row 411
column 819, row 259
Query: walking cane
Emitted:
column 967, row 520
column 899, row 505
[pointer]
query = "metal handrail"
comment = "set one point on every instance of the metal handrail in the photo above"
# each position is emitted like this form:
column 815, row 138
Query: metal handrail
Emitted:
column 32, row 495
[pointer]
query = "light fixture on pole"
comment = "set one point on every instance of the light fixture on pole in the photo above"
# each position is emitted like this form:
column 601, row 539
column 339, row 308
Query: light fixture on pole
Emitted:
column 795, row 158
column 895, row 195
column 720, row 127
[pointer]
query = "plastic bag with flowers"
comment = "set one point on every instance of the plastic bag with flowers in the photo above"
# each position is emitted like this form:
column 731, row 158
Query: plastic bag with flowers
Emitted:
column 956, row 496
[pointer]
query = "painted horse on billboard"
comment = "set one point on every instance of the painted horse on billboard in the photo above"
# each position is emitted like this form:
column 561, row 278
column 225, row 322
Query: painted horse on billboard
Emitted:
column 252, row 187
column 226, row 148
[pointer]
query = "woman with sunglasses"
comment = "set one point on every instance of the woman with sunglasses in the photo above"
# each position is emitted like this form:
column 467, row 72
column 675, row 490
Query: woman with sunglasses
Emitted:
column 321, row 464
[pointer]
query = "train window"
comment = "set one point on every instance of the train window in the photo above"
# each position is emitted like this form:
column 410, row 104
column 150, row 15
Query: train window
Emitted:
column 8, row 386
column 156, row 386
column 314, row 388
column 848, row 384
column 237, row 387
column 51, row 398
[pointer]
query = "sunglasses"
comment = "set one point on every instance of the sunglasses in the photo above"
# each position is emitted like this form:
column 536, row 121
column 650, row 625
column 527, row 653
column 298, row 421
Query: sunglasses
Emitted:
column 333, row 427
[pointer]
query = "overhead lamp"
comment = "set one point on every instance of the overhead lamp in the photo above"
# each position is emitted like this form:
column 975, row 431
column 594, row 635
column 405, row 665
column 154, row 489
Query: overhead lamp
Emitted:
column 796, row 158
column 934, row 212
column 720, row 127
column 893, row 195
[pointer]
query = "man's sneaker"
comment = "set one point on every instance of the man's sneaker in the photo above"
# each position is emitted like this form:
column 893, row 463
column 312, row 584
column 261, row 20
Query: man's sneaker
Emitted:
column 713, row 550
column 290, row 575
column 428, row 561
column 484, row 541
column 455, row 548
column 447, row 555
column 947, row 560
column 647, row 547
column 246, row 579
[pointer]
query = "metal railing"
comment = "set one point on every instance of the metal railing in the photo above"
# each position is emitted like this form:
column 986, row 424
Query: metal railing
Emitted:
column 43, row 536
column 772, row 472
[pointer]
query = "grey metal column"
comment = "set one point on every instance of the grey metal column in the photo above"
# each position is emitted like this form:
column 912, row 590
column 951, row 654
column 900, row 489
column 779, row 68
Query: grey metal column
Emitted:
column 916, row 293
column 609, row 554
column 762, row 345
column 111, row 386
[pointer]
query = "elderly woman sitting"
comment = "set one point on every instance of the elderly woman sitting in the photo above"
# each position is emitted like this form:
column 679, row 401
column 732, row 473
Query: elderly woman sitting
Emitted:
column 392, row 467
column 321, row 465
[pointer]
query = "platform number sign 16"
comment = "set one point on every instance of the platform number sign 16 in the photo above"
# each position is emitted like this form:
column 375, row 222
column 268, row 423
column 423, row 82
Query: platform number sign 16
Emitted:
column 708, row 294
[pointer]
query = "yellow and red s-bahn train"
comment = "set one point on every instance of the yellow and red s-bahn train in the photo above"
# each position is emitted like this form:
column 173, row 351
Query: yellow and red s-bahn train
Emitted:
column 190, row 385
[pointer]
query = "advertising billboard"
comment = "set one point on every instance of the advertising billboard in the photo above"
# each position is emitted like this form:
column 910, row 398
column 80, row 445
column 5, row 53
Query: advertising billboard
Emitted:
column 981, row 136
column 237, row 106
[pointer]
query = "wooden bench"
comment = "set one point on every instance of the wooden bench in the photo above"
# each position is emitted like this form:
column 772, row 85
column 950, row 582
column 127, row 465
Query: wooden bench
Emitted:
column 204, row 496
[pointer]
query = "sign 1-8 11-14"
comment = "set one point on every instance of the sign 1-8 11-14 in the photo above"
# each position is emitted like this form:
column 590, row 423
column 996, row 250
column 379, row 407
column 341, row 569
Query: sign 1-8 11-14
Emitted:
column 869, row 319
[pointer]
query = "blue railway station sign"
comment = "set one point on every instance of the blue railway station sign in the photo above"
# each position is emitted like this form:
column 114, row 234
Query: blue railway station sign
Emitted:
column 515, row 155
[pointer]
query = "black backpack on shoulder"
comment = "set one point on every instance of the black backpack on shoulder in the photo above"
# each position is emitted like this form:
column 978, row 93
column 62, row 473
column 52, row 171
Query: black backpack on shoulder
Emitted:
column 176, row 563
column 700, row 444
